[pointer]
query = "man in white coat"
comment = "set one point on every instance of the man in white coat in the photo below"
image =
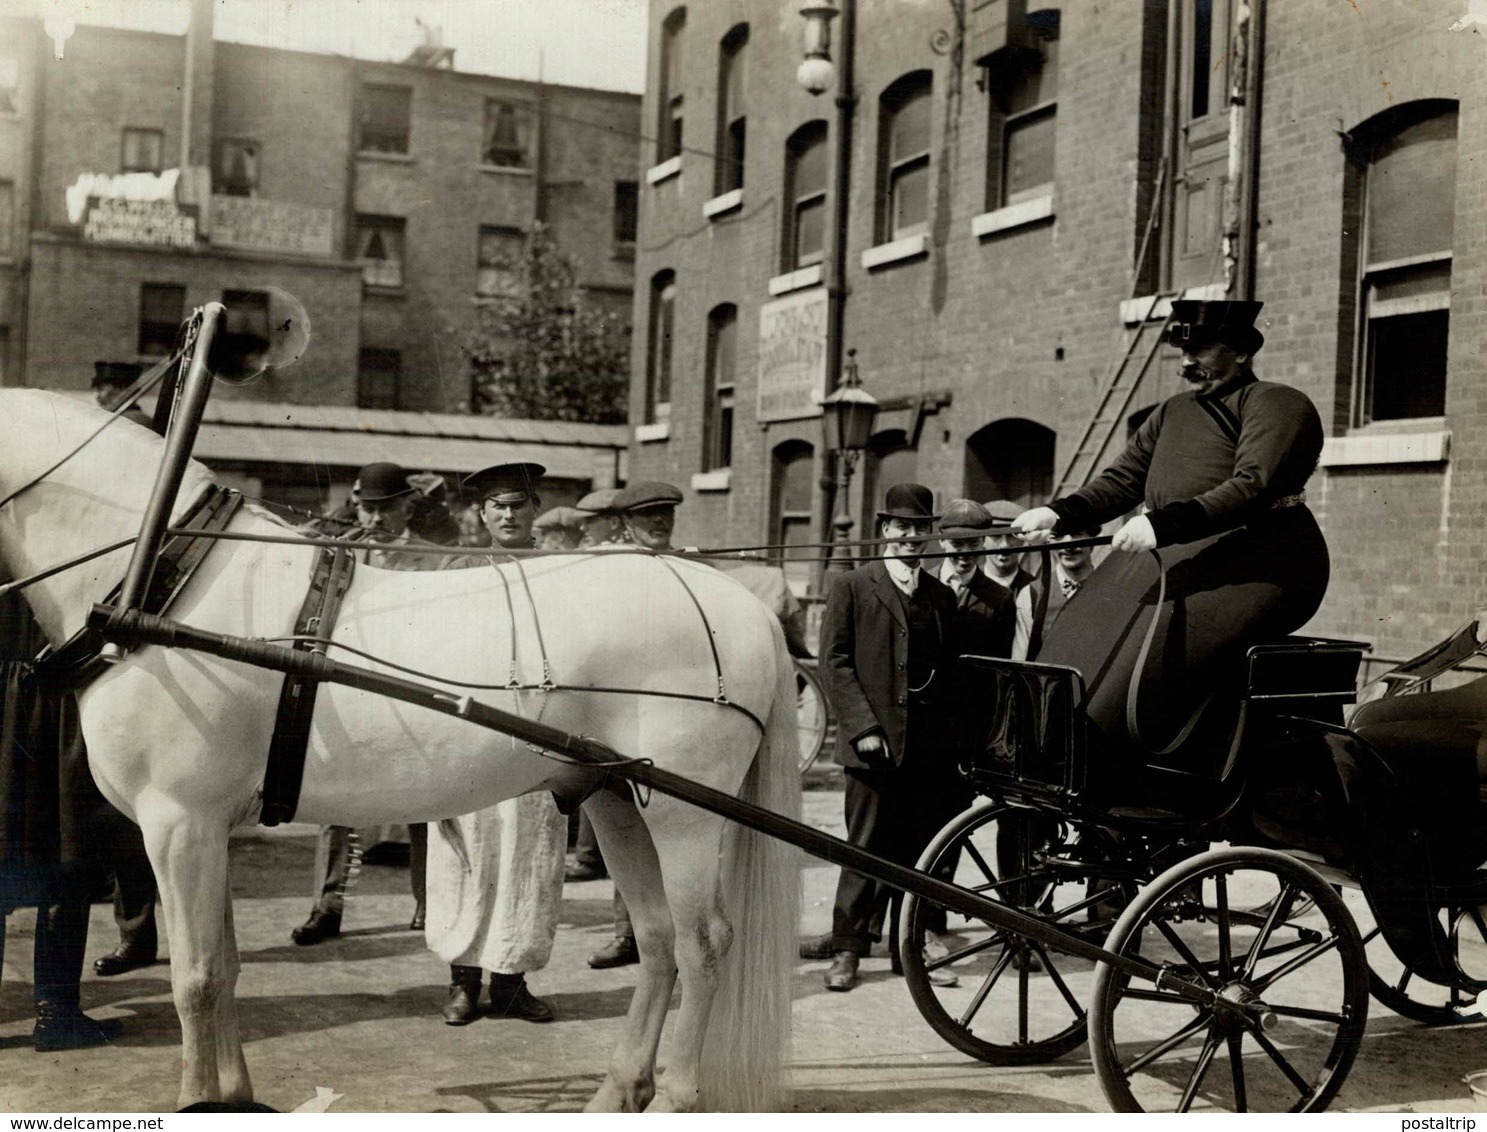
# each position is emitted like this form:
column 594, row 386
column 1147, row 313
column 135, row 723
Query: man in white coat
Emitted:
column 500, row 914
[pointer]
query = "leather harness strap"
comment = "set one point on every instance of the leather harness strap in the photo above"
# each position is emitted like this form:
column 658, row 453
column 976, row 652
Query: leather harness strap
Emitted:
column 76, row 663
column 329, row 579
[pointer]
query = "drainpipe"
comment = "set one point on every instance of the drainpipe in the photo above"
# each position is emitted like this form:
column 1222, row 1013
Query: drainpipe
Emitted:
column 1249, row 213
column 1239, row 146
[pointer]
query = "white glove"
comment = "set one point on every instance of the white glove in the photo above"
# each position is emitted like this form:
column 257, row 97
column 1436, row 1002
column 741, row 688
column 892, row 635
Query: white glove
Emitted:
column 1036, row 524
column 1136, row 535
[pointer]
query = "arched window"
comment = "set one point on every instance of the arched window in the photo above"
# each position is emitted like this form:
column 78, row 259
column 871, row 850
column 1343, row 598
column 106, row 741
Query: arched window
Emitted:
column 792, row 482
column 890, row 460
column 717, row 423
column 1010, row 459
column 659, row 346
column 804, row 237
column 732, row 122
column 903, row 157
column 1404, row 163
column 669, row 96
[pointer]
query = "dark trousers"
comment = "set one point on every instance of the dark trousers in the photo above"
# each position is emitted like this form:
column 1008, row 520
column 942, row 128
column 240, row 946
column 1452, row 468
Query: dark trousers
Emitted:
column 134, row 905
column 893, row 813
column 418, row 860
column 586, row 844
column 62, row 900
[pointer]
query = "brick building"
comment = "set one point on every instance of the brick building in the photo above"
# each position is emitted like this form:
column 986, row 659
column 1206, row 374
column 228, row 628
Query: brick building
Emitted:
column 1027, row 186
column 390, row 198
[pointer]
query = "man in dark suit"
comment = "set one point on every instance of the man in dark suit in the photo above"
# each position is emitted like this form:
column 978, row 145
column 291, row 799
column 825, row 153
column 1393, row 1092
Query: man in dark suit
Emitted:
column 987, row 616
column 885, row 657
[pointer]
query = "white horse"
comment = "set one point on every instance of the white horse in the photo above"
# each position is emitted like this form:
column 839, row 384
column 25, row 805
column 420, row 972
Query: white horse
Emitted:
column 178, row 741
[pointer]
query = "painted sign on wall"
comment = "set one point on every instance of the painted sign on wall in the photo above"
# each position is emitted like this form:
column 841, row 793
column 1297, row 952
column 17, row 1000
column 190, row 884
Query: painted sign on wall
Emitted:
column 792, row 356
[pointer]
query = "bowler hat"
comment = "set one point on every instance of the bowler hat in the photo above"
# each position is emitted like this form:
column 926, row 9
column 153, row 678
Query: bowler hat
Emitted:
column 599, row 502
column 504, row 483
column 911, row 501
column 647, row 494
column 1232, row 322
column 382, row 481
column 1003, row 511
column 965, row 518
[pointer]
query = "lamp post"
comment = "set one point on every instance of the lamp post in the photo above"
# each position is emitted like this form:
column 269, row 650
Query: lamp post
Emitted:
column 846, row 425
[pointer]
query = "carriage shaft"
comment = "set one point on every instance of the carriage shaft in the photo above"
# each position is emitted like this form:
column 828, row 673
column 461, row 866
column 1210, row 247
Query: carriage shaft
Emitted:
column 131, row 627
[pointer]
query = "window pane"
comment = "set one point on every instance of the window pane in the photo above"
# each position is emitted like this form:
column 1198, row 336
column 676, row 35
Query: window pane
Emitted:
column 1030, row 157
column 499, row 259
column 378, row 377
column 810, row 232
column 1412, row 192
column 810, row 169
column 1407, row 366
column 909, row 133
column 162, row 307
column 508, row 128
column 733, row 82
column 1202, row 56
column 385, row 114
column 910, row 189
column 795, row 484
column 625, row 207
column 142, row 151
column 732, row 156
column 380, row 251
column 237, row 168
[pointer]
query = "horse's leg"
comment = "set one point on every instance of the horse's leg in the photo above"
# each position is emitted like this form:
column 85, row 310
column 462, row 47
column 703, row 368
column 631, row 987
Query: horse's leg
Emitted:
column 687, row 842
column 232, row 1067
column 630, row 1080
column 189, row 856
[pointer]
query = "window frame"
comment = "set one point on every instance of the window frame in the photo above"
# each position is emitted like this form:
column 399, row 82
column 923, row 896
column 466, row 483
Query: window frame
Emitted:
column 524, row 120
column 660, row 347
column 363, row 371
column 219, row 175
column 786, row 456
column 1376, row 316
column 894, row 169
column 482, row 265
column 154, row 332
column 139, row 133
column 808, row 137
column 731, row 145
column 718, row 395
column 385, row 225
column 621, row 213
column 671, row 98
column 363, row 113
column 1009, row 72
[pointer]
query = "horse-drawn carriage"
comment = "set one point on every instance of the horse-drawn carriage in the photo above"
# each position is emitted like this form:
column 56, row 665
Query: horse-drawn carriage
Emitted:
column 1231, row 977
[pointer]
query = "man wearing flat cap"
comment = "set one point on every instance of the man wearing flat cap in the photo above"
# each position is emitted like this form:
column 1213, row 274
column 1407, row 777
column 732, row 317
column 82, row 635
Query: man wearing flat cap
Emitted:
column 649, row 508
column 500, row 913
column 603, row 523
column 558, row 528
column 985, row 612
column 886, row 639
column 1219, row 473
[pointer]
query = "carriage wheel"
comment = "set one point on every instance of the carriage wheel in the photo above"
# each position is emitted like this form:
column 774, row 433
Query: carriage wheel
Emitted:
column 1396, row 986
column 810, row 714
column 1014, row 1001
column 1263, row 930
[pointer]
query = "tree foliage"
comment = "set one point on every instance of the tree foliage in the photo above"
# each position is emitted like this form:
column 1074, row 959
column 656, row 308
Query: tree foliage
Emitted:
column 541, row 348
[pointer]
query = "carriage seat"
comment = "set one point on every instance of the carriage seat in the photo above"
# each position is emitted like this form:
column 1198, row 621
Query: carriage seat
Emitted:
column 1028, row 734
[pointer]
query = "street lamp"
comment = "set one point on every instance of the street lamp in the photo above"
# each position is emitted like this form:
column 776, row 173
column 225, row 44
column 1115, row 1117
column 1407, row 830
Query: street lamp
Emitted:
column 846, row 424
column 816, row 71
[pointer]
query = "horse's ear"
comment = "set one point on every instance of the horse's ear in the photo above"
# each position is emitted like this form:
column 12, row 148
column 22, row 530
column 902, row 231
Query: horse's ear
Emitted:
column 263, row 330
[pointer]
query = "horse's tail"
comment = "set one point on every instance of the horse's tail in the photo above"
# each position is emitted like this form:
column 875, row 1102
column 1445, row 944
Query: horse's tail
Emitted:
column 747, row 1046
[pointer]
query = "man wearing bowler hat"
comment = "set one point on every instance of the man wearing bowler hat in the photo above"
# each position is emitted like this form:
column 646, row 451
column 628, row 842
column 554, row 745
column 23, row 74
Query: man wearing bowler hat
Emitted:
column 886, row 639
column 1219, row 473
column 500, row 913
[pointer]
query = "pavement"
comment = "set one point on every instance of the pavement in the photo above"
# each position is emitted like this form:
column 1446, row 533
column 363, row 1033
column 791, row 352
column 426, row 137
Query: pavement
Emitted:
column 355, row 1021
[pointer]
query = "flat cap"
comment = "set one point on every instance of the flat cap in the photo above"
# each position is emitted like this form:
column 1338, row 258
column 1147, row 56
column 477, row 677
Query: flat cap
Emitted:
column 965, row 518
column 1003, row 511
column 504, row 483
column 647, row 493
column 558, row 517
column 599, row 502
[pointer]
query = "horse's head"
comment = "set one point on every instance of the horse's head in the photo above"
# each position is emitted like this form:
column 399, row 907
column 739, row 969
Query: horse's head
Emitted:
column 95, row 497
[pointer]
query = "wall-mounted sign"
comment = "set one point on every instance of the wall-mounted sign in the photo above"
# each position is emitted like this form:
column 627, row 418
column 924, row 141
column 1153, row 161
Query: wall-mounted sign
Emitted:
column 271, row 226
column 792, row 356
column 159, row 223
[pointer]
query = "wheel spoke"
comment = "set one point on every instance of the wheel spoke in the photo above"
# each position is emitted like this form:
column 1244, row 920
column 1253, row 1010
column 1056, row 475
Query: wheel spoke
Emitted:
column 1200, row 1070
column 1181, row 947
column 1308, row 1013
column 1169, row 1043
column 1058, row 980
column 979, row 998
column 1236, row 1071
column 1280, row 909
column 1221, row 900
column 1303, row 1086
column 1270, row 978
column 980, row 862
column 1144, row 995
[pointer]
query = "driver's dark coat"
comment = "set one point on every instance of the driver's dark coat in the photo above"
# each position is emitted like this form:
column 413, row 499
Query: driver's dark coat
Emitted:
column 864, row 660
